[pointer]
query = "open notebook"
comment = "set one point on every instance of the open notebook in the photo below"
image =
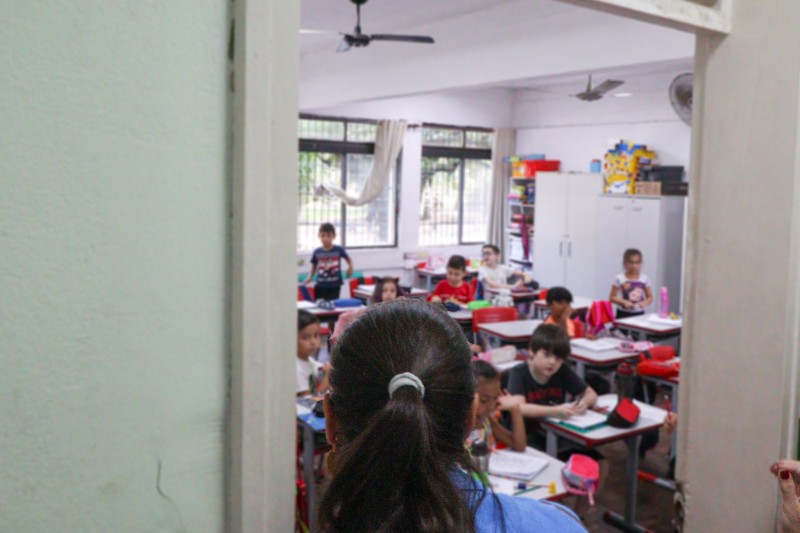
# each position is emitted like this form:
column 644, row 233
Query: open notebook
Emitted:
column 587, row 420
column 515, row 465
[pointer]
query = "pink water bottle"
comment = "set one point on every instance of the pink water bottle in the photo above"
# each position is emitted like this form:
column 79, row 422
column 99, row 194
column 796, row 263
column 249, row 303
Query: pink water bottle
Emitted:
column 663, row 304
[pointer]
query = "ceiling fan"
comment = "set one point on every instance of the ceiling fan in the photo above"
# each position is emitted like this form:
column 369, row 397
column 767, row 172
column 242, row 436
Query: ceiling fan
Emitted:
column 596, row 93
column 359, row 39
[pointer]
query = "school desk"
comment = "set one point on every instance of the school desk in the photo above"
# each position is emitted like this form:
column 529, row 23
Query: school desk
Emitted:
column 365, row 292
column 311, row 425
column 587, row 358
column 325, row 315
column 519, row 295
column 551, row 473
column 579, row 306
column 432, row 276
column 650, row 418
column 650, row 325
column 671, row 383
column 516, row 332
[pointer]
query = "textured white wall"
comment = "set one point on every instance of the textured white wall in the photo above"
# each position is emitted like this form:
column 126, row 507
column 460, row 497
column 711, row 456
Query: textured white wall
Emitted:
column 113, row 268
column 741, row 366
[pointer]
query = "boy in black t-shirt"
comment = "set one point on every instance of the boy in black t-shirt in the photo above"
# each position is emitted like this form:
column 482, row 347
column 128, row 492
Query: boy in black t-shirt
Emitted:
column 541, row 385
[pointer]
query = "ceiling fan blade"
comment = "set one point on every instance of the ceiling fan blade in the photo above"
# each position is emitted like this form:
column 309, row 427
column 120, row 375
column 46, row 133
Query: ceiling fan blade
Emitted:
column 315, row 32
column 344, row 46
column 403, row 38
column 606, row 86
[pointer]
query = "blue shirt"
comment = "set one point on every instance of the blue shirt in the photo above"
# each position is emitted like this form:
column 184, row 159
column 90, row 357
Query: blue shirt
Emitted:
column 522, row 515
column 329, row 265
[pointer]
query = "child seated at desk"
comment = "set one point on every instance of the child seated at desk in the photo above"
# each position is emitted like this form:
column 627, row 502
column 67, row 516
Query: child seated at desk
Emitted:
column 487, row 427
column 387, row 289
column 312, row 377
column 541, row 385
column 493, row 275
column 453, row 289
column 559, row 301
column 632, row 290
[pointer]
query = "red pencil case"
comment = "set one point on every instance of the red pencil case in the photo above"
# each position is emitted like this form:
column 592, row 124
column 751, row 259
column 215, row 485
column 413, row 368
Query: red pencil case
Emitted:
column 624, row 415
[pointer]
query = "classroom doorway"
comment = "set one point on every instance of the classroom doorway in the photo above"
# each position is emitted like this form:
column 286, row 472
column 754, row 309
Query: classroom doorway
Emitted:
column 267, row 87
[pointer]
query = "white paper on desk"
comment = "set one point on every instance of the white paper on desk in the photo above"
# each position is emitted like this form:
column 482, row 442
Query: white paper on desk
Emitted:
column 304, row 304
column 302, row 410
column 586, row 420
column 599, row 345
column 515, row 464
column 503, row 486
column 666, row 321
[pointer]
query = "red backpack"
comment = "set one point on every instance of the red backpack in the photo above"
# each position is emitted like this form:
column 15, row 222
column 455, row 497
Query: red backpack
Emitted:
column 659, row 362
column 600, row 313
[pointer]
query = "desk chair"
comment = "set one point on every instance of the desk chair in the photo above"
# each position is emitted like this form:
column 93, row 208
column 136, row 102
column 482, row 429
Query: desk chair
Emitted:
column 305, row 292
column 354, row 282
column 490, row 314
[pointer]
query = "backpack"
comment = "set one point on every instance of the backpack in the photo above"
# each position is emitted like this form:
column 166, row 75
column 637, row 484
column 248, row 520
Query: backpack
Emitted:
column 581, row 476
column 659, row 362
column 600, row 313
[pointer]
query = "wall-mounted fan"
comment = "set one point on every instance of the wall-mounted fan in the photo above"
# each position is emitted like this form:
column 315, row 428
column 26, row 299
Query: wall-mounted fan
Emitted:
column 596, row 93
column 680, row 95
column 358, row 39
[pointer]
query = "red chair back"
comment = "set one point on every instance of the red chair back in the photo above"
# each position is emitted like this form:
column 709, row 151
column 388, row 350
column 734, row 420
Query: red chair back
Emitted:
column 305, row 292
column 353, row 283
column 543, row 294
column 492, row 314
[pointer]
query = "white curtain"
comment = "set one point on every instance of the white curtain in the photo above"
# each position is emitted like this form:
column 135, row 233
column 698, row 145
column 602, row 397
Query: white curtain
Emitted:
column 388, row 143
column 504, row 145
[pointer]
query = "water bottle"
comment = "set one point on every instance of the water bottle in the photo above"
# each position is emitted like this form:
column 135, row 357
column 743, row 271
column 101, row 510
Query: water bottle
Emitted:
column 663, row 303
column 480, row 455
column 625, row 380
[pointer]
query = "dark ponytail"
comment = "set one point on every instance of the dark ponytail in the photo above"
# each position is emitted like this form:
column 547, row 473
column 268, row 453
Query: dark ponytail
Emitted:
column 397, row 460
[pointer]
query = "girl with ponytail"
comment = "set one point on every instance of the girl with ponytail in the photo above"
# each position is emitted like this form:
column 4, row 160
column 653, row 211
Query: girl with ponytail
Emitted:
column 402, row 401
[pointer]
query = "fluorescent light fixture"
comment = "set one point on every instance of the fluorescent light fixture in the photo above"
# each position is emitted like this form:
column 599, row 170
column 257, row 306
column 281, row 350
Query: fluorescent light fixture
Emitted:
column 623, row 95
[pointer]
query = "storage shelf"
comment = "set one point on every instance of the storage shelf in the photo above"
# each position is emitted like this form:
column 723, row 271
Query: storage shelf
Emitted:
column 521, row 261
column 520, row 204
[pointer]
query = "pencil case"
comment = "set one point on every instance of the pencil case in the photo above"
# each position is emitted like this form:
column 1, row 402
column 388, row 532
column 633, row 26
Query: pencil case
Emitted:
column 624, row 415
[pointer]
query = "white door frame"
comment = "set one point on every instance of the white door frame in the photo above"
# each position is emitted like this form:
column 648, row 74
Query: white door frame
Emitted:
column 260, row 473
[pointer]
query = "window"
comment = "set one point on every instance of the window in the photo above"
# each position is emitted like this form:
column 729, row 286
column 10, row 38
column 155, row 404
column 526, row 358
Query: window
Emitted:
column 456, row 185
column 339, row 152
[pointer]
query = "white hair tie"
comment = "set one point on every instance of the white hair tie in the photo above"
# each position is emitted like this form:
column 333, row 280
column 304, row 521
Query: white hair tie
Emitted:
column 406, row 379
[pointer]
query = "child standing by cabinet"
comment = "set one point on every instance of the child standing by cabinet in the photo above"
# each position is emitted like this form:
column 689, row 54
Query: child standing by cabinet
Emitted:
column 631, row 290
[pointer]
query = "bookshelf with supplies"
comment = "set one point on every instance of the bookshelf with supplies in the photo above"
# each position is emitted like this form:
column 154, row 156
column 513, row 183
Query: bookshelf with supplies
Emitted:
column 522, row 208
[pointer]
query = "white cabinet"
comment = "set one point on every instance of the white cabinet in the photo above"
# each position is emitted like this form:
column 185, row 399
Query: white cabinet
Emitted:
column 564, row 246
column 654, row 225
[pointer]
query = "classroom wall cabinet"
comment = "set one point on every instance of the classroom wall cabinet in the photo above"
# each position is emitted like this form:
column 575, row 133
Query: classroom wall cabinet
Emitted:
column 565, row 241
column 654, row 225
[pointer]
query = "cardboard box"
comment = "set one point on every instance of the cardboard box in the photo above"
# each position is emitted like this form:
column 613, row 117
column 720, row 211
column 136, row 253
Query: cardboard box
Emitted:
column 647, row 188
column 674, row 188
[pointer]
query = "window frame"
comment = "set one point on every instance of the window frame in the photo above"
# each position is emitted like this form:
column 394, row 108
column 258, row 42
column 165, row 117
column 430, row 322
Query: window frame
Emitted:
column 461, row 153
column 344, row 148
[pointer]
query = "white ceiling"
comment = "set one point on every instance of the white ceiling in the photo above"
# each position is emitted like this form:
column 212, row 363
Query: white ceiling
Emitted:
column 393, row 16
column 509, row 44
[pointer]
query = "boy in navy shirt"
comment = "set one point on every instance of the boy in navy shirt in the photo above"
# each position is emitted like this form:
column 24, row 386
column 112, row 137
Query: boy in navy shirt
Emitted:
column 326, row 263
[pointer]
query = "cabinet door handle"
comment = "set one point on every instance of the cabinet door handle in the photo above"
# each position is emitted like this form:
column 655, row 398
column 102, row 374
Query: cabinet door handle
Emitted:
column 569, row 249
column 561, row 248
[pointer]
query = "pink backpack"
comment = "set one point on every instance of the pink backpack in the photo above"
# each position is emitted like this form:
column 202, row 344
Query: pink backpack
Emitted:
column 599, row 314
column 581, row 476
